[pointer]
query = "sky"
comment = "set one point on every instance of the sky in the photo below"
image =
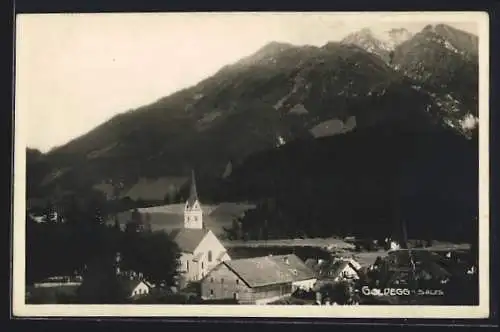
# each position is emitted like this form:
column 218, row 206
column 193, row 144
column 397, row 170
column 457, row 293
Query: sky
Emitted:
column 76, row 71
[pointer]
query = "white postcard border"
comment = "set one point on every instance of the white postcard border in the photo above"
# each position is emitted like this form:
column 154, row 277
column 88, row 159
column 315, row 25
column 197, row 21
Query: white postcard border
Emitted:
column 20, row 309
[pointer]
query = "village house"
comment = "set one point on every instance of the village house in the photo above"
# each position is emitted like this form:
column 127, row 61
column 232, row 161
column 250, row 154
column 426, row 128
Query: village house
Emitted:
column 421, row 265
column 257, row 280
column 337, row 270
column 131, row 283
column 200, row 249
column 134, row 287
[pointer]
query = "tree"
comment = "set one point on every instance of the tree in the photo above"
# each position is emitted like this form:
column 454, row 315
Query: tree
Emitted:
column 340, row 293
column 100, row 285
column 147, row 223
column 154, row 254
column 116, row 225
column 49, row 213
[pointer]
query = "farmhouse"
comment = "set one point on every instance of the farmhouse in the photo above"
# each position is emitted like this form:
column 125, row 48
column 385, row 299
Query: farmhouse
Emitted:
column 200, row 249
column 133, row 288
column 423, row 265
column 258, row 280
column 343, row 270
column 337, row 270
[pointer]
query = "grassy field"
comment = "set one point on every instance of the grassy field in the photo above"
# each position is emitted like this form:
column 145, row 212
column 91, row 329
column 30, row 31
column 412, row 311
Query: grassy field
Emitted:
column 170, row 217
column 51, row 295
column 332, row 243
column 301, row 251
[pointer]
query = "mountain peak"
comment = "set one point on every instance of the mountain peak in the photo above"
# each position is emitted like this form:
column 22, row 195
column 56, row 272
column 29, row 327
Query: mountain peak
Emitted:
column 378, row 42
column 455, row 39
column 275, row 46
column 267, row 52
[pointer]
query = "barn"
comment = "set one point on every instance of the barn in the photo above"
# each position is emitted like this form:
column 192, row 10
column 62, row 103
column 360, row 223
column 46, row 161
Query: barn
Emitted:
column 257, row 280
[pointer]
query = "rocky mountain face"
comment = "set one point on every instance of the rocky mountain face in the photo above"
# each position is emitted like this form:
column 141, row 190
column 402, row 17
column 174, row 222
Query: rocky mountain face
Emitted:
column 280, row 94
column 441, row 60
column 380, row 43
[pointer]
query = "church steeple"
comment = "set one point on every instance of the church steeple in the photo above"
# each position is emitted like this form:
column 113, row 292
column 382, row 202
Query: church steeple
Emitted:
column 193, row 194
column 193, row 214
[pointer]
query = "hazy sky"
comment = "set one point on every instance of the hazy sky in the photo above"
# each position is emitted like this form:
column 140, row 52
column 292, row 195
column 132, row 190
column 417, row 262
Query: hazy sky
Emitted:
column 75, row 71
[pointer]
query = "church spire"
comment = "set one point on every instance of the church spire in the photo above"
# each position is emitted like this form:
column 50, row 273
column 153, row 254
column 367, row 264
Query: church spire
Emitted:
column 193, row 214
column 193, row 194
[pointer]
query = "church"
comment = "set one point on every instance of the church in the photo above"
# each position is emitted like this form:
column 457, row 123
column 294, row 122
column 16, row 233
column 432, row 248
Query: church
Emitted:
column 200, row 249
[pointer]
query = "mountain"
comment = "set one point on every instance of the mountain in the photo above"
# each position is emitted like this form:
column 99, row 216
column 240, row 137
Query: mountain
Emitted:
column 444, row 61
column 364, row 182
column 279, row 94
column 441, row 60
column 380, row 43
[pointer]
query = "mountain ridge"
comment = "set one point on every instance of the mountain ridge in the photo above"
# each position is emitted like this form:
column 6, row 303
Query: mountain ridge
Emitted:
column 280, row 93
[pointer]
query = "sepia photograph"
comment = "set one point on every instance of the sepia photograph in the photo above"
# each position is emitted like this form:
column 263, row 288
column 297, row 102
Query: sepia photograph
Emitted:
column 262, row 164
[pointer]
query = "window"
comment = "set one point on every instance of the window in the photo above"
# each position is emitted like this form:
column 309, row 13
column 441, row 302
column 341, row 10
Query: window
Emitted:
column 187, row 265
column 235, row 296
column 237, row 281
column 211, row 292
column 210, row 255
column 211, row 279
column 202, row 265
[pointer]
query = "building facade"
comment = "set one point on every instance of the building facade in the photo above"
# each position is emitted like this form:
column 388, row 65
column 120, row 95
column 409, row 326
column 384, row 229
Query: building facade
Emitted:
column 200, row 249
column 258, row 280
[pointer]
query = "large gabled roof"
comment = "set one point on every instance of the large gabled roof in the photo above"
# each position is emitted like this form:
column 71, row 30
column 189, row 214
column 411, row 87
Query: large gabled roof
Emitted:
column 188, row 239
column 270, row 270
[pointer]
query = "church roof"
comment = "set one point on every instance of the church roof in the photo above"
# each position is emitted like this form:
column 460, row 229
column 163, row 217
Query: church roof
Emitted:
column 188, row 238
column 193, row 194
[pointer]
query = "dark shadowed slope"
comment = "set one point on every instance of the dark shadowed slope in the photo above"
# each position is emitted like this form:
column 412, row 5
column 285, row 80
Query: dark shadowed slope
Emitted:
column 367, row 181
column 275, row 96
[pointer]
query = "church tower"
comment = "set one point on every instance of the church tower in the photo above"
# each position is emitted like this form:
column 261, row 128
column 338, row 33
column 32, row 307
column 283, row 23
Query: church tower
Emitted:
column 193, row 214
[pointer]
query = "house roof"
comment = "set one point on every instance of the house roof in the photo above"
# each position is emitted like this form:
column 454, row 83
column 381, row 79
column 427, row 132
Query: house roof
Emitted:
column 295, row 266
column 338, row 267
column 188, row 239
column 311, row 263
column 268, row 270
column 333, row 269
column 129, row 285
column 423, row 259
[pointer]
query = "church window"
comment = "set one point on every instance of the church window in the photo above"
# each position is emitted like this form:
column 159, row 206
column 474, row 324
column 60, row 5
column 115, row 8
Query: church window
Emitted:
column 210, row 255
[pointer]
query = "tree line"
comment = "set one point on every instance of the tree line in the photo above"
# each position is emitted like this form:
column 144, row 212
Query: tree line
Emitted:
column 80, row 242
